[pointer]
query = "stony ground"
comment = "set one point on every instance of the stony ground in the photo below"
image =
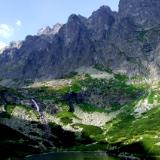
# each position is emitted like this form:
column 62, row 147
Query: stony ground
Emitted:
column 126, row 113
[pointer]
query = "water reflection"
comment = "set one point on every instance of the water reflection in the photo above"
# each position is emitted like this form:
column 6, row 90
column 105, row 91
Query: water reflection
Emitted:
column 72, row 156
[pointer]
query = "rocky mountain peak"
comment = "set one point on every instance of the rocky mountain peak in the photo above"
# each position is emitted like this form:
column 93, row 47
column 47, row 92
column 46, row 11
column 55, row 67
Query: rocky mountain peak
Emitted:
column 44, row 30
column 102, row 10
column 72, row 29
column 102, row 13
column 101, row 21
column 73, row 18
column 143, row 12
column 56, row 28
column 50, row 31
column 126, row 41
column 15, row 44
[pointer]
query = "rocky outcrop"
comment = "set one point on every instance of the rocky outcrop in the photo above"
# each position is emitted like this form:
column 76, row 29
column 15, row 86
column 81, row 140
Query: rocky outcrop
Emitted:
column 126, row 41
column 50, row 31
column 100, row 22
column 142, row 12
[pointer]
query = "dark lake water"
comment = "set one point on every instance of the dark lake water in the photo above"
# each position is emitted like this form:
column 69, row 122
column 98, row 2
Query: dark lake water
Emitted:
column 72, row 156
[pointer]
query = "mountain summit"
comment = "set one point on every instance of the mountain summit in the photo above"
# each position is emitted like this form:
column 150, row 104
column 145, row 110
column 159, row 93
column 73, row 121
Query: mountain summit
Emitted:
column 125, row 41
column 48, row 30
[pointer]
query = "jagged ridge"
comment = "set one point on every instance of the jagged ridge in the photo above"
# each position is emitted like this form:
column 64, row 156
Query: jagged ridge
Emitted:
column 125, row 41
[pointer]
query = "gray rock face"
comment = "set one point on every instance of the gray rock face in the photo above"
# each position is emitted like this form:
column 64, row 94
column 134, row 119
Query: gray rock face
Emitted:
column 50, row 31
column 143, row 12
column 126, row 41
column 100, row 22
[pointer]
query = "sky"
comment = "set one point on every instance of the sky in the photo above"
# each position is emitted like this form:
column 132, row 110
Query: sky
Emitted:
column 19, row 18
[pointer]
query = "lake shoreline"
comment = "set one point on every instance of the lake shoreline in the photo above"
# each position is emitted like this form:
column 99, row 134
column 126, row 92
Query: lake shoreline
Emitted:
column 69, row 154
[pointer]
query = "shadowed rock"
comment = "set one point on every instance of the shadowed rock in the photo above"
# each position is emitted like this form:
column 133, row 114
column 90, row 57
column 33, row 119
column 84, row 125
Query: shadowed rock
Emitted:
column 126, row 41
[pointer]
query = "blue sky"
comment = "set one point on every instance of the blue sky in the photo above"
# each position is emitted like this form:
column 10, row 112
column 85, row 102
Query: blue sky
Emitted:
column 19, row 18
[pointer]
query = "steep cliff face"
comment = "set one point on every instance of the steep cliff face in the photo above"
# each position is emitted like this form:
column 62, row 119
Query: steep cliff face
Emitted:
column 143, row 12
column 125, row 41
column 100, row 22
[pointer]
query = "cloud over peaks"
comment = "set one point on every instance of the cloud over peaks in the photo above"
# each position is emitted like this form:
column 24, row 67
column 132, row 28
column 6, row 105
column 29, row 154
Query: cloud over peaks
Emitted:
column 6, row 31
column 18, row 23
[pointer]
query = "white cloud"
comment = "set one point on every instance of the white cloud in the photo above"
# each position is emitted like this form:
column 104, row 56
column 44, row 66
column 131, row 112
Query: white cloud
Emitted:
column 18, row 23
column 6, row 31
column 2, row 45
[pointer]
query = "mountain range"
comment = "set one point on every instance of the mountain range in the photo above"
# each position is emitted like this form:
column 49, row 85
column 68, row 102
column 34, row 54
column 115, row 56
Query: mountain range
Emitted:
column 91, row 84
column 126, row 41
